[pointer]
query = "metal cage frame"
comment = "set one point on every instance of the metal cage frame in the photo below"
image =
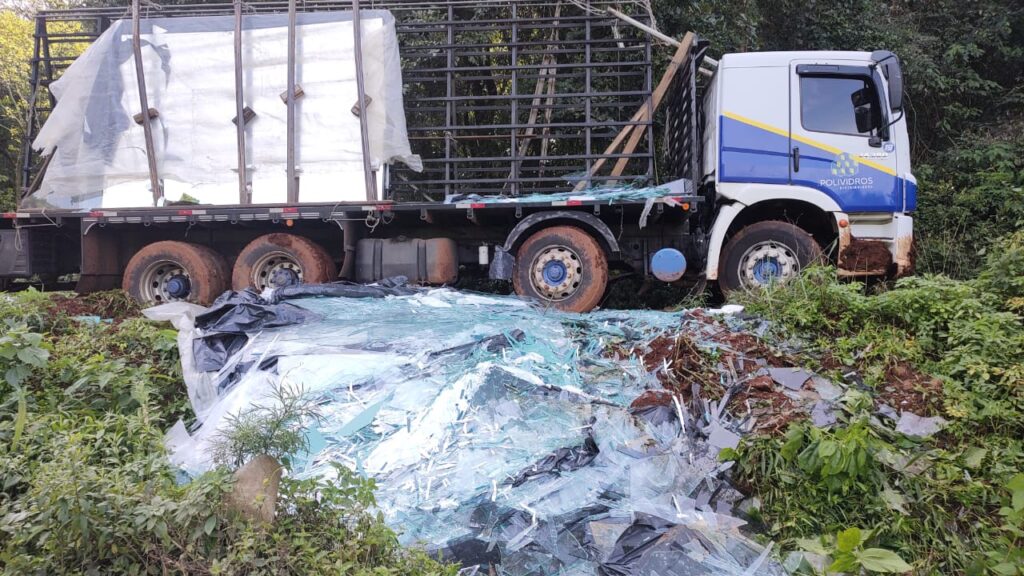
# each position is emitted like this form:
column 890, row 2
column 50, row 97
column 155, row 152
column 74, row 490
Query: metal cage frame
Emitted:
column 502, row 97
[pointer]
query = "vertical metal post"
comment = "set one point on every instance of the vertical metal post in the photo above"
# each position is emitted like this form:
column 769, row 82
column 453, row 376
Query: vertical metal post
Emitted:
column 147, row 128
column 648, row 86
column 293, row 181
column 587, row 105
column 243, row 181
column 449, row 104
column 514, row 119
column 26, row 149
column 357, row 33
column 691, row 93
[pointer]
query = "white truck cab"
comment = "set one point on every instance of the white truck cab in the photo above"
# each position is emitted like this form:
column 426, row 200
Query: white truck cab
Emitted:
column 807, row 150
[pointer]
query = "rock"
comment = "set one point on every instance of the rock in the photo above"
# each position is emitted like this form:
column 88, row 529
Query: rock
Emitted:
column 255, row 492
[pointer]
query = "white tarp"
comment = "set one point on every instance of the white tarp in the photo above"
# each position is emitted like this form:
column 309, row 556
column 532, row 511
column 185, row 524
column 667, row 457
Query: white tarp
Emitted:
column 100, row 153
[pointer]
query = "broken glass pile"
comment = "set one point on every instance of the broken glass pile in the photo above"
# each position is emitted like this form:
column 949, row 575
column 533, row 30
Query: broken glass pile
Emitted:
column 500, row 434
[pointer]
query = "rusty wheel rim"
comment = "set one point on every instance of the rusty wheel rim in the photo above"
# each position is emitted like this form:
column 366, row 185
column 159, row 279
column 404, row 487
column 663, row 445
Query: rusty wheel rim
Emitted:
column 275, row 263
column 766, row 263
column 556, row 273
column 165, row 281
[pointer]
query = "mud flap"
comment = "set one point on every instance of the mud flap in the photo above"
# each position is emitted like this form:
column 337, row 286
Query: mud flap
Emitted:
column 502, row 265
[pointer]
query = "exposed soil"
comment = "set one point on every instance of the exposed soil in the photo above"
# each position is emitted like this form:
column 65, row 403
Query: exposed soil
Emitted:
column 862, row 255
column 686, row 362
column 773, row 409
column 752, row 348
column 650, row 399
column 113, row 305
column 909, row 390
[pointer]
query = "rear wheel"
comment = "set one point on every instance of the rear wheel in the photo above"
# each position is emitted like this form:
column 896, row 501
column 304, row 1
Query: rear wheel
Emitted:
column 562, row 266
column 171, row 271
column 275, row 260
column 765, row 253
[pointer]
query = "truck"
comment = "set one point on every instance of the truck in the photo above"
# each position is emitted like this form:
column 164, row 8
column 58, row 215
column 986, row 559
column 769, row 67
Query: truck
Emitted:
column 540, row 149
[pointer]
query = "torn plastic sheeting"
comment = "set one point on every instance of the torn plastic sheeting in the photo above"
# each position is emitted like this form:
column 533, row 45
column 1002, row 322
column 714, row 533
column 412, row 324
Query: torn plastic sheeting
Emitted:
column 98, row 153
column 561, row 460
column 447, row 398
column 388, row 287
column 223, row 328
column 610, row 194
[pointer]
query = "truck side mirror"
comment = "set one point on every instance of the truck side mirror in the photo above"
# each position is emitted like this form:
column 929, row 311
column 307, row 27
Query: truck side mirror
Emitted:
column 864, row 118
column 890, row 66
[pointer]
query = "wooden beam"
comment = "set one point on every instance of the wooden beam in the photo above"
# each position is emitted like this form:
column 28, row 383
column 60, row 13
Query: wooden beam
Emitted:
column 633, row 130
column 647, row 111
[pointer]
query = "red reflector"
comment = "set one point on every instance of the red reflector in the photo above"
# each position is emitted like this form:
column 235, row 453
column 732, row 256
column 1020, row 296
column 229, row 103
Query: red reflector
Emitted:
column 10, row 215
column 184, row 212
column 477, row 205
column 96, row 213
column 290, row 210
column 574, row 202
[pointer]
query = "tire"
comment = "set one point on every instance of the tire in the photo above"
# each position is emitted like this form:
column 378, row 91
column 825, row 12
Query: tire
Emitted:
column 263, row 261
column 553, row 250
column 765, row 252
column 154, row 274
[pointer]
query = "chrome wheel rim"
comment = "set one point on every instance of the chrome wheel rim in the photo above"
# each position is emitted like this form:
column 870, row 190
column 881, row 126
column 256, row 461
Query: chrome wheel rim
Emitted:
column 766, row 263
column 165, row 281
column 279, row 265
column 556, row 273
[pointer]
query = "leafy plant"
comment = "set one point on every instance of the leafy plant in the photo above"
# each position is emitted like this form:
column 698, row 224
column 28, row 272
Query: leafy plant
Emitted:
column 272, row 428
column 850, row 556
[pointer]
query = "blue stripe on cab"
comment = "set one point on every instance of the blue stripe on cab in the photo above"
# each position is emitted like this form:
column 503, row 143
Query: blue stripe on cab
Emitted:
column 752, row 154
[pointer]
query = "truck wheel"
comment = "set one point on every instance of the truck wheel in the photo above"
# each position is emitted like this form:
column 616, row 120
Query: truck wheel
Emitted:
column 172, row 271
column 280, row 260
column 563, row 266
column 765, row 252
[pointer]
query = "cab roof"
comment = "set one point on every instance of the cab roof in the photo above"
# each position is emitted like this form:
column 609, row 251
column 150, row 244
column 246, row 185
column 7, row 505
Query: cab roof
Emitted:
column 760, row 59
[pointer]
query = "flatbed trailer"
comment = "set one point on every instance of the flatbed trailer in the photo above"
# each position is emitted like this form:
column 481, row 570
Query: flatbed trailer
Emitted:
column 536, row 122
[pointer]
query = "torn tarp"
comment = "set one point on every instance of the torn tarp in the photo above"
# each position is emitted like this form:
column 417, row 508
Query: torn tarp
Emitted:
column 395, row 286
column 498, row 434
column 224, row 326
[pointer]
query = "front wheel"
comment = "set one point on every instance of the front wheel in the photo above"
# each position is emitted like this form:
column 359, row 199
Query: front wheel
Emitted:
column 764, row 253
column 562, row 266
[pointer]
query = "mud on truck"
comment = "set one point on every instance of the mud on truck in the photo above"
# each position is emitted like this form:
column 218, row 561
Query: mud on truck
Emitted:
column 192, row 149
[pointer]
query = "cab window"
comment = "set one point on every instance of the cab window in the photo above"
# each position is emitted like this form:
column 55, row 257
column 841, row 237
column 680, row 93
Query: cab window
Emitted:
column 829, row 104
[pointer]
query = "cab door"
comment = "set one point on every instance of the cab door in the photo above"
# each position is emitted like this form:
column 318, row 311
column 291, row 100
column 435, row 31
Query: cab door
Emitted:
column 839, row 140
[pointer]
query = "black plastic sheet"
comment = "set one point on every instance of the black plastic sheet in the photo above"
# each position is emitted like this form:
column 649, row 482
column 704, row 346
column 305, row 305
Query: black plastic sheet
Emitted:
column 234, row 314
column 395, row 286
column 561, row 460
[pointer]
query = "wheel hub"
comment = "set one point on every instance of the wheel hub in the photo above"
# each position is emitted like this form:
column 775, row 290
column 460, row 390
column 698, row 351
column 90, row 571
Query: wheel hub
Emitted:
column 556, row 273
column 165, row 281
column 276, row 270
column 178, row 286
column 767, row 262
